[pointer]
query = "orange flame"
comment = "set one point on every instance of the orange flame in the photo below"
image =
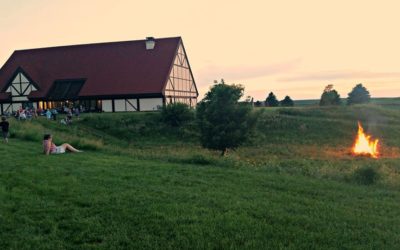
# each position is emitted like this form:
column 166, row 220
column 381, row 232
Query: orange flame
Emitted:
column 364, row 145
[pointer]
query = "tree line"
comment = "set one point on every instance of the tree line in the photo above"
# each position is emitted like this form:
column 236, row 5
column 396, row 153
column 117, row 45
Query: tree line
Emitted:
column 331, row 97
column 272, row 101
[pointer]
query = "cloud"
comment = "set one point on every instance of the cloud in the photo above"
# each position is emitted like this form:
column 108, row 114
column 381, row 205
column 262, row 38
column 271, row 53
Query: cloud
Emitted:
column 235, row 73
column 339, row 75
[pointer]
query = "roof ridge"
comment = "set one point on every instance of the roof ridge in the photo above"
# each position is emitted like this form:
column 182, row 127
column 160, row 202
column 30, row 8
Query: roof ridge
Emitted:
column 91, row 44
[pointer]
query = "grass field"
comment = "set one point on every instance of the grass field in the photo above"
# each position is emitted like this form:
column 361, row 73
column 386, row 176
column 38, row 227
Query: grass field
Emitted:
column 140, row 184
column 388, row 102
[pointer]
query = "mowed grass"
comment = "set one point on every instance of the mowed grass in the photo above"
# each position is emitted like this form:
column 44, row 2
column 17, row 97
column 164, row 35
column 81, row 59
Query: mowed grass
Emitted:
column 140, row 184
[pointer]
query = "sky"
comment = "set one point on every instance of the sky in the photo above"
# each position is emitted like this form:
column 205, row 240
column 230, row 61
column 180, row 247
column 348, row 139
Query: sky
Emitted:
column 292, row 48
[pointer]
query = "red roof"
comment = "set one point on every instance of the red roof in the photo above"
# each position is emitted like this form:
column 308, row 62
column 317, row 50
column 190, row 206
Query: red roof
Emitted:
column 116, row 68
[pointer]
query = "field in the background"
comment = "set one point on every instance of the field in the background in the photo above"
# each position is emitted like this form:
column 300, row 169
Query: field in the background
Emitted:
column 141, row 184
column 390, row 102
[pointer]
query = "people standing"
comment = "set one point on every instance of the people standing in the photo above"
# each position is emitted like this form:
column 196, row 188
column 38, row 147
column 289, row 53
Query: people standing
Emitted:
column 69, row 117
column 48, row 114
column 22, row 114
column 54, row 113
column 4, row 128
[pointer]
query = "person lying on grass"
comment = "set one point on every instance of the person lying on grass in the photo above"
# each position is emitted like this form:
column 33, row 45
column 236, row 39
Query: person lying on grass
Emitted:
column 50, row 148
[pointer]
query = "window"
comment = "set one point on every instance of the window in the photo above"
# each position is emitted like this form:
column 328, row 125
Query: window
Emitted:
column 65, row 90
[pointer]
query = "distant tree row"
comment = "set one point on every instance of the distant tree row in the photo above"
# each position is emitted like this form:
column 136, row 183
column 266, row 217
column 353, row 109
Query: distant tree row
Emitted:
column 331, row 97
column 272, row 101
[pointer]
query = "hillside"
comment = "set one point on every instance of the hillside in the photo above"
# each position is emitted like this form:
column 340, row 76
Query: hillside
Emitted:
column 140, row 184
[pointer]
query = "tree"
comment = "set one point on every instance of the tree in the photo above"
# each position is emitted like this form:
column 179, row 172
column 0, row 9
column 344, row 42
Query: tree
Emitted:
column 224, row 122
column 271, row 100
column 330, row 97
column 176, row 114
column 287, row 102
column 358, row 95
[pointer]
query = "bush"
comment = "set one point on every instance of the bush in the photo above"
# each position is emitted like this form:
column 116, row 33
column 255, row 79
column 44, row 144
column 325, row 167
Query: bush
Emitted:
column 176, row 114
column 366, row 175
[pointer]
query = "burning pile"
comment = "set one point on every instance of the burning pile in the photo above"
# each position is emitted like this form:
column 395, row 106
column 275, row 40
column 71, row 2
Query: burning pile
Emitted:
column 364, row 145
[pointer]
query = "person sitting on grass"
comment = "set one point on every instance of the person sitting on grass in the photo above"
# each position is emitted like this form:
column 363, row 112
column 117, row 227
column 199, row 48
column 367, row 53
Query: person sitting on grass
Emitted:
column 50, row 148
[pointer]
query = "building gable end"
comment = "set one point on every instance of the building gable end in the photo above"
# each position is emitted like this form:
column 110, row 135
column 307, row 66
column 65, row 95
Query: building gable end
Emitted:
column 180, row 85
column 20, row 86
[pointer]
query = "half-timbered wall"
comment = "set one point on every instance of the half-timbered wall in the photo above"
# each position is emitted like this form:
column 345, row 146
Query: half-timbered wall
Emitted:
column 127, row 105
column 180, row 86
column 19, row 88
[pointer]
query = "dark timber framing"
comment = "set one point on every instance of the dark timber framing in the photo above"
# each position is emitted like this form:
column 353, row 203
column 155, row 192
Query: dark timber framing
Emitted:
column 88, row 86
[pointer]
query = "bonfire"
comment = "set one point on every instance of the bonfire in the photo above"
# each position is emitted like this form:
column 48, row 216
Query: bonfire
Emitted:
column 364, row 145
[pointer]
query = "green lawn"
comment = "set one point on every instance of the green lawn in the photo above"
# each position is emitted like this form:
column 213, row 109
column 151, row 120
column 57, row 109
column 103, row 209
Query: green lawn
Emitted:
column 140, row 184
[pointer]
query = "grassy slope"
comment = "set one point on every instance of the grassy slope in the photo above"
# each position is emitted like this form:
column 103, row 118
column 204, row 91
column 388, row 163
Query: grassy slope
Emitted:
column 293, row 189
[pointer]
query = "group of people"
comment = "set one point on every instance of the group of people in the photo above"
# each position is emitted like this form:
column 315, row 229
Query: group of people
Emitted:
column 25, row 113
column 50, row 114
column 48, row 145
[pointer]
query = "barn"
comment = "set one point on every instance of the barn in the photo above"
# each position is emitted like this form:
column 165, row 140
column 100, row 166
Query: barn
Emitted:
column 141, row 75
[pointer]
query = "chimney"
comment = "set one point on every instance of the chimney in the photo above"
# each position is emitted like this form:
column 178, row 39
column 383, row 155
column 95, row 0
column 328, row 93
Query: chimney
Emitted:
column 150, row 43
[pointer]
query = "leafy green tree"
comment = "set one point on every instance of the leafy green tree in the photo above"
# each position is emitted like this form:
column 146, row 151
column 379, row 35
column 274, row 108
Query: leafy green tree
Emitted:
column 176, row 114
column 330, row 97
column 358, row 95
column 287, row 102
column 271, row 100
column 224, row 122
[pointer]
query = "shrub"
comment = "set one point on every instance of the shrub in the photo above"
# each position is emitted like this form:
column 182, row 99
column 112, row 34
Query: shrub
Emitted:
column 366, row 175
column 176, row 114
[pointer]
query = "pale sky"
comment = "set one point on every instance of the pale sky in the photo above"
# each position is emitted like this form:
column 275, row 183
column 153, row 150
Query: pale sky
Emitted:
column 292, row 48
